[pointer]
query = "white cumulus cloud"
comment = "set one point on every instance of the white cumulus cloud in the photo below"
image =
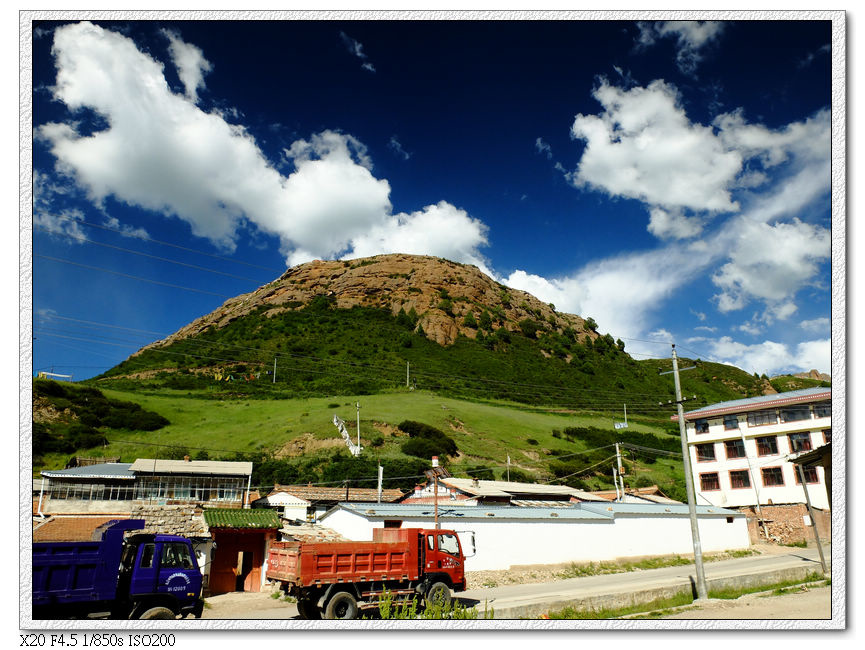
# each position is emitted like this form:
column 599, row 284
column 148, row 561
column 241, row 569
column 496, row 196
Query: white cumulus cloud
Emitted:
column 691, row 37
column 161, row 152
column 774, row 358
column 190, row 63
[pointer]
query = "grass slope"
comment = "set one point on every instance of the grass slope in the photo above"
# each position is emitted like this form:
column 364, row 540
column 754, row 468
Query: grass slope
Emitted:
column 301, row 431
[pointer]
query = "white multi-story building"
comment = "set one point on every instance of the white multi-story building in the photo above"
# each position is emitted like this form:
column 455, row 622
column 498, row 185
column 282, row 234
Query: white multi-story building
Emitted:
column 740, row 450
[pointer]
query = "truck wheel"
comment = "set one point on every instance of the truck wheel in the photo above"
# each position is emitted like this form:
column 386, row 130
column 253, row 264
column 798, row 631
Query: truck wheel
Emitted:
column 308, row 610
column 342, row 606
column 438, row 594
column 161, row 613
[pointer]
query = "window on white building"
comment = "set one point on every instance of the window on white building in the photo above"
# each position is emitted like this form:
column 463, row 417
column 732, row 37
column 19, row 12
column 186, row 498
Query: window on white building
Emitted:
column 810, row 475
column 823, row 410
column 827, row 436
column 772, row 477
column 740, row 479
column 709, row 482
column 705, row 452
column 800, row 442
column 759, row 418
column 767, row 446
column 734, row 448
column 731, row 422
column 795, row 413
column 702, row 426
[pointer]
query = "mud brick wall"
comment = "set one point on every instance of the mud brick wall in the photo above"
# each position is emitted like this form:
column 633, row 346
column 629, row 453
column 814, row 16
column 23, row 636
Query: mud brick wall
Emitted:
column 786, row 524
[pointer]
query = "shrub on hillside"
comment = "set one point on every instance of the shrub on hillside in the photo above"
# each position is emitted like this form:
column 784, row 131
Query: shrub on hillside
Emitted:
column 426, row 441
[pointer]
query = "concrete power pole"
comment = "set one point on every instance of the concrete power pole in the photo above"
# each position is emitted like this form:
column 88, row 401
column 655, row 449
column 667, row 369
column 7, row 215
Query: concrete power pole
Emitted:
column 689, row 485
column 274, row 370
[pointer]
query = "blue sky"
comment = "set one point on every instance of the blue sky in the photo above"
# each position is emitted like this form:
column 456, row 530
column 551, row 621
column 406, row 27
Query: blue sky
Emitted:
column 670, row 180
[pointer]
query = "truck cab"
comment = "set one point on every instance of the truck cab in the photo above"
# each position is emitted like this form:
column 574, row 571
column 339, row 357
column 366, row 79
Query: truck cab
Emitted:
column 160, row 571
column 443, row 558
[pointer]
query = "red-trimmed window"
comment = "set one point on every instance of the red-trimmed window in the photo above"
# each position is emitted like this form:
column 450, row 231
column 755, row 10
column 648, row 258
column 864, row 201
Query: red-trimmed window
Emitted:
column 709, row 482
column 823, row 410
column 759, row 418
column 734, row 449
column 706, row 453
column 800, row 442
column 772, row 477
column 810, row 475
column 740, row 479
column 767, row 446
column 827, row 436
column 795, row 413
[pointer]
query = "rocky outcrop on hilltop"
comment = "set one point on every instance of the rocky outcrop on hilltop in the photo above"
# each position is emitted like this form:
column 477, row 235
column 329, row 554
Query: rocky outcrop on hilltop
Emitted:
column 814, row 374
column 446, row 297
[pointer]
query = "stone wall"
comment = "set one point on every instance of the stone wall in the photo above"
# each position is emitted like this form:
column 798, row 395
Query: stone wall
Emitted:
column 172, row 520
column 785, row 524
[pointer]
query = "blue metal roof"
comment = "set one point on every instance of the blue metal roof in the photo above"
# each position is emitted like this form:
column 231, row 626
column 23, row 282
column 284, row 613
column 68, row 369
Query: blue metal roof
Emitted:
column 658, row 509
column 102, row 470
column 761, row 401
column 447, row 512
column 595, row 511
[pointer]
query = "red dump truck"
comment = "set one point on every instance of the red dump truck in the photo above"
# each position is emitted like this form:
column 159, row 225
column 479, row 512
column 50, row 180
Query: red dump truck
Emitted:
column 335, row 580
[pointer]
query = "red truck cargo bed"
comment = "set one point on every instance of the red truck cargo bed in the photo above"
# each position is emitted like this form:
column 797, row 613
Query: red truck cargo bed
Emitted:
column 329, row 562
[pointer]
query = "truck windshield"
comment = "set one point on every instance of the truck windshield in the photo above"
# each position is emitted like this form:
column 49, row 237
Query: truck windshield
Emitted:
column 449, row 544
column 175, row 555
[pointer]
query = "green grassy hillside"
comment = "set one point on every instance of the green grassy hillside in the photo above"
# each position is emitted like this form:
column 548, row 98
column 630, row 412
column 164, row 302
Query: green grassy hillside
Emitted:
column 294, row 440
column 324, row 351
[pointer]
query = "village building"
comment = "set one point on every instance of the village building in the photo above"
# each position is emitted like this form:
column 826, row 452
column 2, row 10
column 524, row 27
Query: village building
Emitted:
column 310, row 502
column 506, row 536
column 742, row 454
column 472, row 491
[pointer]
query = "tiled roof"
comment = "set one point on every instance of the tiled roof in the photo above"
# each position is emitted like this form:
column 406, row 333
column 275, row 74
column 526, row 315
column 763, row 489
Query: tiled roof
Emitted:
column 102, row 470
column 762, row 401
column 313, row 493
column 70, row 529
column 207, row 467
column 237, row 518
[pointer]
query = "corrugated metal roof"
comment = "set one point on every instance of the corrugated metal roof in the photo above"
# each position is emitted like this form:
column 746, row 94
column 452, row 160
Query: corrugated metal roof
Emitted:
column 103, row 470
column 236, row 518
column 656, row 509
column 515, row 489
column 210, row 467
column 451, row 513
column 762, row 401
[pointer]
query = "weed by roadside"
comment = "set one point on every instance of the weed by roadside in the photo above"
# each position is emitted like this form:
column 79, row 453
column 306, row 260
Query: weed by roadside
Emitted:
column 604, row 568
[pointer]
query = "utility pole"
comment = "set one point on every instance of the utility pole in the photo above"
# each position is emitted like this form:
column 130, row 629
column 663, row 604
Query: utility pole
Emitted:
column 689, row 483
column 358, row 425
column 406, row 374
column 274, row 370
column 811, row 516
column 380, row 480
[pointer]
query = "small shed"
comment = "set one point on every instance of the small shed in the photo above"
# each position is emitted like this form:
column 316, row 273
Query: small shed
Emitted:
column 242, row 539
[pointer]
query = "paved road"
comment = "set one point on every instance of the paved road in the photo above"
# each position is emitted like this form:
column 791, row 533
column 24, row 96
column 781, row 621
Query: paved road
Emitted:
column 531, row 600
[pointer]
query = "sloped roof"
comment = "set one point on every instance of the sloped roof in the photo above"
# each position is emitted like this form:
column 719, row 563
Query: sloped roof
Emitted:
column 760, row 402
column 121, row 471
column 814, row 457
column 207, row 467
column 515, row 489
column 312, row 533
column 313, row 493
column 237, row 518
column 70, row 529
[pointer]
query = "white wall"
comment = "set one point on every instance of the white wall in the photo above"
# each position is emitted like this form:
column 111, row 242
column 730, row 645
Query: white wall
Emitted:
column 502, row 544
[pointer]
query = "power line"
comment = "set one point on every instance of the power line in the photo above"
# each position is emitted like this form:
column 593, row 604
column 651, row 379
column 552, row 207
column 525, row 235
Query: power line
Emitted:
column 133, row 277
column 165, row 243
column 147, row 255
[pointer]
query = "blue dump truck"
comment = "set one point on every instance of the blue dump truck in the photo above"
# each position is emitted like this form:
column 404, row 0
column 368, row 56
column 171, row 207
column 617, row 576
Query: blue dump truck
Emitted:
column 136, row 576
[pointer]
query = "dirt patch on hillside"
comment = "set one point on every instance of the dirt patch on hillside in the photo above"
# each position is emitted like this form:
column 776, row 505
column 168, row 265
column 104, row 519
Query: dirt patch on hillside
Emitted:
column 305, row 444
column 44, row 411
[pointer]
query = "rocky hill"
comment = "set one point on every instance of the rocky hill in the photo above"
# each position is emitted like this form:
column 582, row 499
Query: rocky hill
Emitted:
column 446, row 297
